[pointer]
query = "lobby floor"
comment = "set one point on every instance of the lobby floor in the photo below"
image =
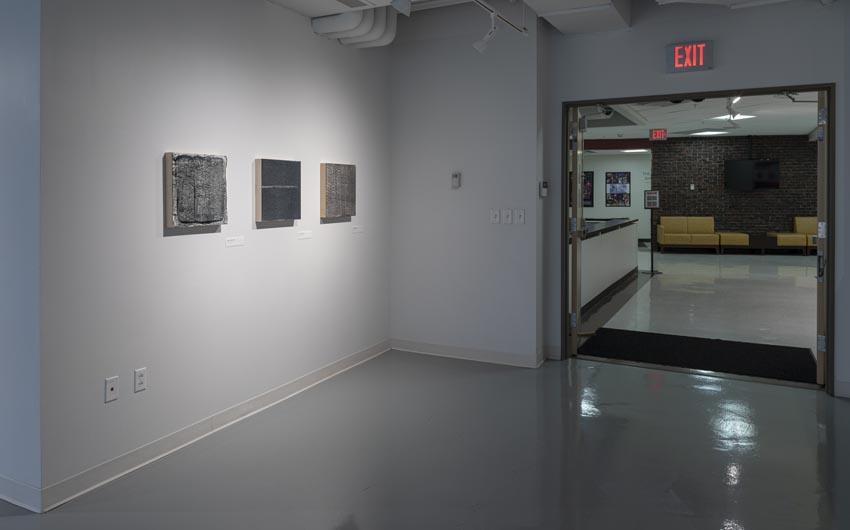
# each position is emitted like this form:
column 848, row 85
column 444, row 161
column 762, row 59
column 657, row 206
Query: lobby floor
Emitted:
column 748, row 298
column 414, row 442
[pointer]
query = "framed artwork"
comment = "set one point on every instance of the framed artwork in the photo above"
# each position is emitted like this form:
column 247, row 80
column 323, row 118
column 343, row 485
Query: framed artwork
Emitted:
column 338, row 191
column 586, row 189
column 618, row 189
column 278, row 190
column 195, row 190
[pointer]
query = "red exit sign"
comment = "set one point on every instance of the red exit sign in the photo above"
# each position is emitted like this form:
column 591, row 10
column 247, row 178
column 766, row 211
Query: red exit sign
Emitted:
column 657, row 135
column 690, row 56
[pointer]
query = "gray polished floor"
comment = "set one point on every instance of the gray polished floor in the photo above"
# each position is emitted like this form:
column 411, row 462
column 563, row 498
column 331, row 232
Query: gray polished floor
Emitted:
column 747, row 298
column 415, row 442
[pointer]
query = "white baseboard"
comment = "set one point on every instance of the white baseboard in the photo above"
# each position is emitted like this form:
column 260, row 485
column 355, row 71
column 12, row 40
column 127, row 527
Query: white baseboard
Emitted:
column 23, row 495
column 527, row 360
column 57, row 494
column 842, row 389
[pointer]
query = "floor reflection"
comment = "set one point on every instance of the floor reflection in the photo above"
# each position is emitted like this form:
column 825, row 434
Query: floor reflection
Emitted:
column 414, row 442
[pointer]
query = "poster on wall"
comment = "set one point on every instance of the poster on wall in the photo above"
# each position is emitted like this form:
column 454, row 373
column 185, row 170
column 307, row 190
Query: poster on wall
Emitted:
column 278, row 190
column 618, row 189
column 195, row 190
column 338, row 191
column 586, row 189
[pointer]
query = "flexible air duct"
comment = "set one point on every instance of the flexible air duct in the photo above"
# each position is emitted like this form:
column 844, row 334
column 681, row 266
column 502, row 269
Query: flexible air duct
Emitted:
column 389, row 35
column 377, row 31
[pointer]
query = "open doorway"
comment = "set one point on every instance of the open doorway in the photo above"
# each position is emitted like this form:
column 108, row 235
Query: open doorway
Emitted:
column 730, row 271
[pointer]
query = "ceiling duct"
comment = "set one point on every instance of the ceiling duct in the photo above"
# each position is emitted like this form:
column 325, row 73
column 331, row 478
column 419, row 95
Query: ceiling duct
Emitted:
column 370, row 28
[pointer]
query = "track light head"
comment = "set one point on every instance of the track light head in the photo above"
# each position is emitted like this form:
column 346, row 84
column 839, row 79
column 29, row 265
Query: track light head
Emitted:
column 481, row 45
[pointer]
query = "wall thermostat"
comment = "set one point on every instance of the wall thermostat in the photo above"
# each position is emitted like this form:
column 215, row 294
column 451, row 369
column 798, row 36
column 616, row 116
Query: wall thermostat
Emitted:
column 544, row 189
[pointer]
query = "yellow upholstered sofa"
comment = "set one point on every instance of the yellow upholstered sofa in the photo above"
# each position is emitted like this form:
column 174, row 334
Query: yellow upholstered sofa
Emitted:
column 803, row 237
column 687, row 232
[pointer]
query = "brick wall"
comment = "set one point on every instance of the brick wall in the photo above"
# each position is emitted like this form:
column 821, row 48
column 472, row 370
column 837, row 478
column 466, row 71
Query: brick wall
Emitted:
column 680, row 162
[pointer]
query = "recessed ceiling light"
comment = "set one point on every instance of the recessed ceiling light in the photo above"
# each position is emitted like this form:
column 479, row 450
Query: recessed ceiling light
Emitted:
column 735, row 117
column 635, row 150
column 710, row 133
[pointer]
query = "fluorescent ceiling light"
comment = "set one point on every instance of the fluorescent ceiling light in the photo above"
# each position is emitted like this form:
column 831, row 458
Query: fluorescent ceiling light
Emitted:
column 736, row 117
column 635, row 150
column 736, row 100
column 710, row 133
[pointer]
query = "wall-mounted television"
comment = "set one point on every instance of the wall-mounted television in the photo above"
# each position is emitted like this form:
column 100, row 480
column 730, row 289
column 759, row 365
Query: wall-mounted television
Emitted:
column 748, row 175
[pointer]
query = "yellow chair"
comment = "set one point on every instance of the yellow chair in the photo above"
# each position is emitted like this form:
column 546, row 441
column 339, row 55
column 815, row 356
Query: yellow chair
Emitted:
column 689, row 232
column 734, row 240
column 809, row 227
column 801, row 238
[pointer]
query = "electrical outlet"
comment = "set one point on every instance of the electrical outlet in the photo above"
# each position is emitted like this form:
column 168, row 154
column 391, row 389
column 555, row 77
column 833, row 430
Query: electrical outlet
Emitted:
column 494, row 217
column 141, row 379
column 507, row 216
column 519, row 217
column 111, row 389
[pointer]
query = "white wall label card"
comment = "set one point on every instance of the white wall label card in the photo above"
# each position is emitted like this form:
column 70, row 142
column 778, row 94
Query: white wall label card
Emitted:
column 235, row 241
column 305, row 234
column 358, row 230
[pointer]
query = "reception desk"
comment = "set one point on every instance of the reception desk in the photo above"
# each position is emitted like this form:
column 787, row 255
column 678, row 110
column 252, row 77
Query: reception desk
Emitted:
column 609, row 253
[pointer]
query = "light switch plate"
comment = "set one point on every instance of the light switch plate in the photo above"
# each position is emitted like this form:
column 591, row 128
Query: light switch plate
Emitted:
column 235, row 241
column 305, row 234
column 519, row 217
column 141, row 380
column 507, row 216
column 494, row 217
column 111, row 389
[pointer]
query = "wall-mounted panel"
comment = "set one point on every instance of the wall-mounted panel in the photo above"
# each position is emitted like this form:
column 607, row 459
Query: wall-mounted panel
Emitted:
column 339, row 191
column 278, row 190
column 196, row 190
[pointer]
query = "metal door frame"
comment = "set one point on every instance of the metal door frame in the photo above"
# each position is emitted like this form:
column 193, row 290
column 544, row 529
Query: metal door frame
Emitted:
column 571, row 261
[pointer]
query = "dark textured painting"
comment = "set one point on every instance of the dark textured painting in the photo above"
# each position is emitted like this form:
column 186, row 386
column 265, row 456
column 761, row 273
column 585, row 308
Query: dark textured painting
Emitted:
column 278, row 190
column 339, row 185
column 196, row 190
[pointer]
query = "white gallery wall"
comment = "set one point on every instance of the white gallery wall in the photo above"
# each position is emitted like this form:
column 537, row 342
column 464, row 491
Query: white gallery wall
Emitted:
column 126, row 81
column 462, row 286
column 640, row 166
column 20, row 448
column 593, row 66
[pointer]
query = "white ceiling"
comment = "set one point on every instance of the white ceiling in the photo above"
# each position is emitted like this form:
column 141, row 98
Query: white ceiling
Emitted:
column 774, row 115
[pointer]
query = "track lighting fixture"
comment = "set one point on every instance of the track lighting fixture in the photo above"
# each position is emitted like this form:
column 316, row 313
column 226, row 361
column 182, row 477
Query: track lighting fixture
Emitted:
column 481, row 45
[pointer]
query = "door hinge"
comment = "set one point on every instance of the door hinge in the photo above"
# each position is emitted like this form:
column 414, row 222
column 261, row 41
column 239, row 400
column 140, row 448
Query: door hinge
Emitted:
column 821, row 267
column 573, row 321
column 821, row 344
column 822, row 230
column 573, row 225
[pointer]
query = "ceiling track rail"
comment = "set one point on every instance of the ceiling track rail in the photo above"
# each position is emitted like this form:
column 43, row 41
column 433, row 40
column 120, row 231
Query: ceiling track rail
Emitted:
column 494, row 12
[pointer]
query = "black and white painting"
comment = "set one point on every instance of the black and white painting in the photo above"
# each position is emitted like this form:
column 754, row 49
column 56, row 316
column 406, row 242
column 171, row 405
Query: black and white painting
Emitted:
column 196, row 190
column 278, row 190
column 338, row 191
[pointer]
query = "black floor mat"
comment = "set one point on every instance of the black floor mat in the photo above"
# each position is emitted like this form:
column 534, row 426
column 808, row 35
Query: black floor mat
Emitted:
column 741, row 358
